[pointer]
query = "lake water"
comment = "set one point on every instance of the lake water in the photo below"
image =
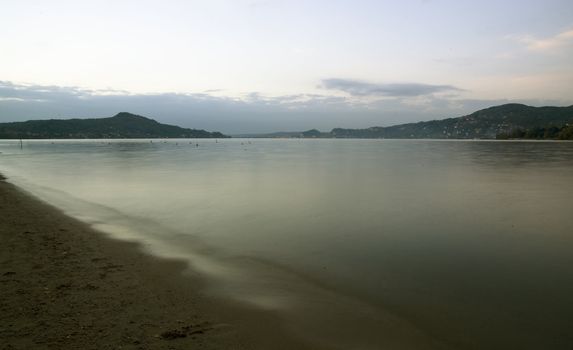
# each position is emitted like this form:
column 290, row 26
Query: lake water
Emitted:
column 360, row 244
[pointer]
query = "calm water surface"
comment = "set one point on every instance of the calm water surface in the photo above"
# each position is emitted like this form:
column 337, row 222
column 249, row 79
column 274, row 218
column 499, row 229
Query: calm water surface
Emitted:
column 363, row 244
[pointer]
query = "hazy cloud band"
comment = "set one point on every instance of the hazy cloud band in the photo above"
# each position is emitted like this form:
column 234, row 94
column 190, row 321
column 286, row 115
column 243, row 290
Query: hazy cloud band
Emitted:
column 253, row 113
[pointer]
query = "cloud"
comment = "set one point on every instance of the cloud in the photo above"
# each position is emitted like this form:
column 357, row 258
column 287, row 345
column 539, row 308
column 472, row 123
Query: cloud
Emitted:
column 360, row 88
column 553, row 43
column 253, row 113
column 66, row 94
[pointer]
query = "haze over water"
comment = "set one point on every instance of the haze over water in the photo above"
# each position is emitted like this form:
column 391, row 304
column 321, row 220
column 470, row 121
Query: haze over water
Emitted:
column 356, row 243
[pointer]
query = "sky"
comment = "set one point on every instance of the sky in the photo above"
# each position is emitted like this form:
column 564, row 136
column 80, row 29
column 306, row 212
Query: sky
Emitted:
column 250, row 66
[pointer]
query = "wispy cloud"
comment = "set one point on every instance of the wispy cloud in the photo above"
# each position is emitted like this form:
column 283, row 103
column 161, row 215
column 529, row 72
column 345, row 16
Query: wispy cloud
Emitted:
column 360, row 88
column 548, row 44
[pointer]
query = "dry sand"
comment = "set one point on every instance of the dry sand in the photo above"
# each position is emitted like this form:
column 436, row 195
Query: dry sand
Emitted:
column 66, row 286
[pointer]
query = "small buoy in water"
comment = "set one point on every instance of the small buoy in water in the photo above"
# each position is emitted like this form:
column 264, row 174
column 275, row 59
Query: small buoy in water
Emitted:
column 196, row 145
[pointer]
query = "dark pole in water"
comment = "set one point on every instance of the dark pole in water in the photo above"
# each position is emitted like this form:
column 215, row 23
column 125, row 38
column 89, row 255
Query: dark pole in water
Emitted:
column 21, row 144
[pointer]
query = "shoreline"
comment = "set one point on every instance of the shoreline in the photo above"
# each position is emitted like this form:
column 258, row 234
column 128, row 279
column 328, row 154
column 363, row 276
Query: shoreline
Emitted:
column 67, row 286
column 101, row 291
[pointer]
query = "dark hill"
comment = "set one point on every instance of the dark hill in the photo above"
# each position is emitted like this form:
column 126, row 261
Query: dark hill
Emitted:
column 487, row 123
column 122, row 125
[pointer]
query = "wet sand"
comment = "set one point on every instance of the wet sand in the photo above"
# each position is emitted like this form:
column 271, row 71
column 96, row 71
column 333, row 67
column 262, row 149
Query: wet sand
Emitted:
column 65, row 286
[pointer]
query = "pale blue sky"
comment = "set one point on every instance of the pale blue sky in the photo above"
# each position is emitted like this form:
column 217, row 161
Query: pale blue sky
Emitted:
column 251, row 66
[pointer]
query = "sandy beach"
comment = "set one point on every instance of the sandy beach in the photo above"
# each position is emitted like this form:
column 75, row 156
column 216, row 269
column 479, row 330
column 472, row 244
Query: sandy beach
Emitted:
column 66, row 286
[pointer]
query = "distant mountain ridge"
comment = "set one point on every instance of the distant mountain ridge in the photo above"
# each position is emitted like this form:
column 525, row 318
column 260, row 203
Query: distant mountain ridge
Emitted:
column 122, row 125
column 502, row 122
column 505, row 121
